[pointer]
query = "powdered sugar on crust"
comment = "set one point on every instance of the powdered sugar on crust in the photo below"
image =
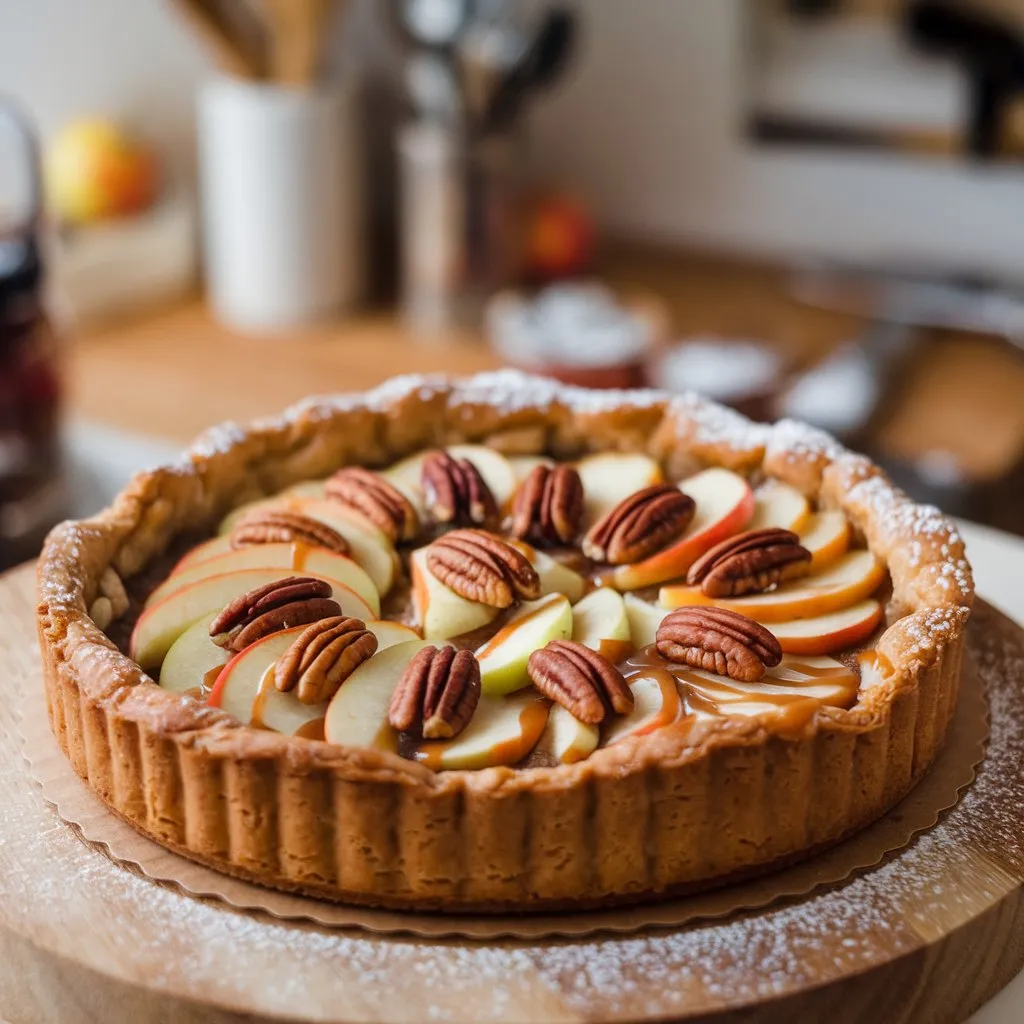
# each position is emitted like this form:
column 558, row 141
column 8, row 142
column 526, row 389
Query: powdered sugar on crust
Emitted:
column 708, row 423
column 792, row 440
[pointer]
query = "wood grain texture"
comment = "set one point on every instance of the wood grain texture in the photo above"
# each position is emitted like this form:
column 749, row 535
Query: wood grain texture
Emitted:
column 174, row 373
column 927, row 936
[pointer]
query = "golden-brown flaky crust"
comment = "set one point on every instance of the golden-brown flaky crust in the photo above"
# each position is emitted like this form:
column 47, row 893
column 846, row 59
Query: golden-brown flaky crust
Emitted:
column 664, row 813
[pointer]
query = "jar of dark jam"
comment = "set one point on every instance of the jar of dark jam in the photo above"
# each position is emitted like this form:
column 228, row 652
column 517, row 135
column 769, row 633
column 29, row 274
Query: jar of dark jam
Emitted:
column 31, row 492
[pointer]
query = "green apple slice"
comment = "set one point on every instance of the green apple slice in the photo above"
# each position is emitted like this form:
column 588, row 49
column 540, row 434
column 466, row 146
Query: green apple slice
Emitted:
column 358, row 713
column 600, row 616
column 536, row 623
column 440, row 612
column 644, row 619
column 567, row 738
column 555, row 578
column 390, row 633
column 193, row 660
column 502, row 731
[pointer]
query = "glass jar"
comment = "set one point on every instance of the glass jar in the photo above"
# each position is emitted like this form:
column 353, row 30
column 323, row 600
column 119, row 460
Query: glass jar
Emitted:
column 31, row 491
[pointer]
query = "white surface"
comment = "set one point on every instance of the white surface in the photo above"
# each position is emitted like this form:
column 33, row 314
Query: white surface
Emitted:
column 282, row 201
column 104, row 460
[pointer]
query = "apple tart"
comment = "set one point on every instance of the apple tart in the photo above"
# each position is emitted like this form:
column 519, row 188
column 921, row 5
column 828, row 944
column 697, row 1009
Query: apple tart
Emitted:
column 500, row 644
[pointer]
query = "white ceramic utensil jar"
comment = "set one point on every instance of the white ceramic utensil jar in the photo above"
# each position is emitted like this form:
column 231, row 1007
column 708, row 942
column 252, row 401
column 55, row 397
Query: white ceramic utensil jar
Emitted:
column 280, row 177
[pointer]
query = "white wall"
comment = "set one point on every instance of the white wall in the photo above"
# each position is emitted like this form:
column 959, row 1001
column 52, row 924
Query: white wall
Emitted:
column 652, row 126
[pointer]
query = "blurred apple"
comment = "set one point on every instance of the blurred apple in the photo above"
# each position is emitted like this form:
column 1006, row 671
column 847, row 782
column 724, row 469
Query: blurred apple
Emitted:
column 560, row 238
column 95, row 171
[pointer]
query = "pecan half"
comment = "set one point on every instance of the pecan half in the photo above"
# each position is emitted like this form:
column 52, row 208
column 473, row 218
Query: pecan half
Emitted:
column 322, row 657
column 579, row 679
column 483, row 568
column 293, row 601
column 719, row 641
column 750, row 563
column 548, row 506
column 644, row 523
column 455, row 492
column 271, row 526
column 377, row 499
column 437, row 693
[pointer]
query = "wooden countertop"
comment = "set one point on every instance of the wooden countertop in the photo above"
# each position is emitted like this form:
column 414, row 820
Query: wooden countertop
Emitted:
column 172, row 373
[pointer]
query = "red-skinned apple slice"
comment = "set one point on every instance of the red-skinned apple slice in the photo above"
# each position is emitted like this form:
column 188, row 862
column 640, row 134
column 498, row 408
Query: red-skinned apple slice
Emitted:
column 358, row 713
column 827, row 536
column 610, row 477
column 827, row 634
column 502, row 731
column 778, row 505
column 368, row 545
column 300, row 558
column 160, row 625
column 656, row 704
column 440, row 612
column 725, row 504
column 193, row 660
column 245, row 688
column 854, row 577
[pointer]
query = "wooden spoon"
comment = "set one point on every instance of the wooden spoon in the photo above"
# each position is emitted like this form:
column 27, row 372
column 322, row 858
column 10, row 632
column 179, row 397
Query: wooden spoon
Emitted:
column 296, row 29
column 235, row 49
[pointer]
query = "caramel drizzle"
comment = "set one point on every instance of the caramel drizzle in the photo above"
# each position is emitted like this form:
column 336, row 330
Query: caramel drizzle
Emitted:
column 788, row 695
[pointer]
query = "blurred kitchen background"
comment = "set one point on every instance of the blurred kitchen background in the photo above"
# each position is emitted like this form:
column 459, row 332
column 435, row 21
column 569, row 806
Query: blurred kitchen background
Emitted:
column 211, row 208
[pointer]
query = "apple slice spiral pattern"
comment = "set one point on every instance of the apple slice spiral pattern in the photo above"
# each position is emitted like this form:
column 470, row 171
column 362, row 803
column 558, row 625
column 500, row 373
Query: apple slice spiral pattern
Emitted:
column 757, row 588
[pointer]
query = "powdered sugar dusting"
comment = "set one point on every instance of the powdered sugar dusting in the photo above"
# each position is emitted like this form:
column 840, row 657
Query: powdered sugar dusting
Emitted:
column 793, row 440
column 709, row 423
column 754, row 956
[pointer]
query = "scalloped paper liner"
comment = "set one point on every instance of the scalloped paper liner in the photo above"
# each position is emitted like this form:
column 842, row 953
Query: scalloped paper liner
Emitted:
column 939, row 790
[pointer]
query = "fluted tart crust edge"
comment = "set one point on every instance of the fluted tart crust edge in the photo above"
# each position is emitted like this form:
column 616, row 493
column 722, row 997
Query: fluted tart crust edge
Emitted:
column 666, row 813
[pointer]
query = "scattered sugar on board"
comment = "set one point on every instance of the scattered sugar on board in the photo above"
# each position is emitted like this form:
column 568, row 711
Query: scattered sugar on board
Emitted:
column 760, row 954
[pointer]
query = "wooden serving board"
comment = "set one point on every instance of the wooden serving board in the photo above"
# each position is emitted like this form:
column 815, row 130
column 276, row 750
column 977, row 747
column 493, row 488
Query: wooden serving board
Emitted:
column 928, row 935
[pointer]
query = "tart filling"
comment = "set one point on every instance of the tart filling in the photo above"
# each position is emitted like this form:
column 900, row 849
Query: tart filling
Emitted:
column 467, row 609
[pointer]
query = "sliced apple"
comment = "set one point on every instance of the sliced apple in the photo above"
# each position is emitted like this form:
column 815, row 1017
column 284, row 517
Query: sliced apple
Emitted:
column 524, row 465
column 656, row 704
column 193, row 660
column 611, row 477
column 644, row 619
column 826, row 634
column 494, row 467
column 827, row 536
column 567, row 738
column 298, row 558
column 502, row 731
column 390, row 633
column 440, row 612
column 778, row 505
column 161, row 624
column 854, row 577
column 245, row 688
column 219, row 545
column 503, row 658
column 369, row 546
column 600, row 621
column 307, row 489
column 357, row 715
column 725, row 504
column 555, row 578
